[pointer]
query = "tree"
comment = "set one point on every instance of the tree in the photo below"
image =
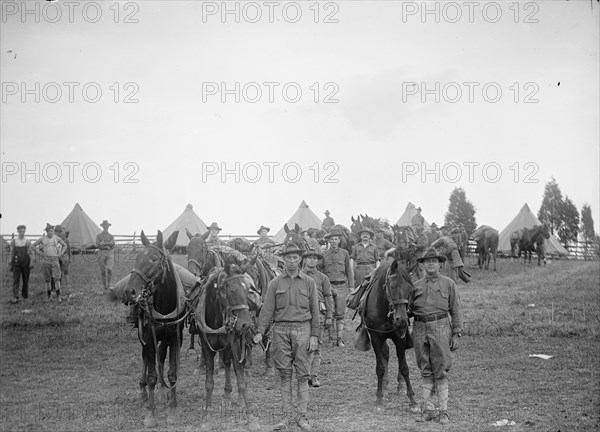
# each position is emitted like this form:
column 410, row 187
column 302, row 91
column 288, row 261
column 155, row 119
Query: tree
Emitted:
column 587, row 223
column 550, row 212
column 567, row 232
column 460, row 210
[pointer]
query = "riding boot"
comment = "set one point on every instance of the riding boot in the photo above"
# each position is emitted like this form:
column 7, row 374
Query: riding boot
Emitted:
column 427, row 407
column 340, row 334
column 58, row 295
column 442, row 392
column 302, row 407
column 108, row 277
column 285, row 389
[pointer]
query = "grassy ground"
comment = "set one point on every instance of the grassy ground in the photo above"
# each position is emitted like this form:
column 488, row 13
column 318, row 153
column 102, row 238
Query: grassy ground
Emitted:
column 75, row 365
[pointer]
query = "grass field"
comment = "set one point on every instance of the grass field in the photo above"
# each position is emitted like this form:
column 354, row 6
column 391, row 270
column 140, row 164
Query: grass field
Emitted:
column 74, row 366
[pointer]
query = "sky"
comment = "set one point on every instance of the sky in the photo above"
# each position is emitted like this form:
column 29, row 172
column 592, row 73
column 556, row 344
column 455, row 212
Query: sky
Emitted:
column 135, row 109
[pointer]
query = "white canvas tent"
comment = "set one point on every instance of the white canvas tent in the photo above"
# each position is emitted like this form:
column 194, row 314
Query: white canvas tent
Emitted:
column 82, row 229
column 188, row 219
column 304, row 217
column 406, row 218
column 526, row 219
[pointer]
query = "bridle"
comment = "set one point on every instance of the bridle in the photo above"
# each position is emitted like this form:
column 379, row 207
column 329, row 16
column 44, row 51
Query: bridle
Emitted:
column 150, row 282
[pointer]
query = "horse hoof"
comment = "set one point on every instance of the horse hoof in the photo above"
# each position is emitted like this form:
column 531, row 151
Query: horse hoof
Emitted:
column 143, row 395
column 150, row 421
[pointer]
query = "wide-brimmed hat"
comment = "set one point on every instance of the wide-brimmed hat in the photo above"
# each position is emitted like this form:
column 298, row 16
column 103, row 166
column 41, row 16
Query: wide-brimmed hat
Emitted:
column 262, row 227
column 48, row 227
column 58, row 228
column 334, row 232
column 418, row 208
column 367, row 230
column 432, row 253
column 312, row 253
column 433, row 225
column 105, row 224
column 21, row 227
column 327, row 212
column 214, row 225
column 445, row 227
column 291, row 248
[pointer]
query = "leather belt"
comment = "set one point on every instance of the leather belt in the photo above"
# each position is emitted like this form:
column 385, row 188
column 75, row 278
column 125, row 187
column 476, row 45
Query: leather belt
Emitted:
column 337, row 282
column 365, row 264
column 430, row 318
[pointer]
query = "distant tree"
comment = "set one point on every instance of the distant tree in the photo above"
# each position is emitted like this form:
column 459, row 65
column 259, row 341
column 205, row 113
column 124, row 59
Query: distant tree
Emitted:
column 460, row 210
column 567, row 232
column 587, row 224
column 550, row 212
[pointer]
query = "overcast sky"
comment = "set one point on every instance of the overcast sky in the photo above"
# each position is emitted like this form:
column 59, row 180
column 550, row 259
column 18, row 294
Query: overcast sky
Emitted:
column 517, row 94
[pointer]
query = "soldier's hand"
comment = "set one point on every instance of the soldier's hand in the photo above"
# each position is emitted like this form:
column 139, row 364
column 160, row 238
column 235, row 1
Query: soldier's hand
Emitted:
column 313, row 344
column 454, row 343
column 328, row 323
column 257, row 338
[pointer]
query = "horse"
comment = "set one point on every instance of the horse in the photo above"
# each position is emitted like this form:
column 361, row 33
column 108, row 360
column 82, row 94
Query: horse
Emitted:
column 223, row 317
column 384, row 315
column 533, row 240
column 487, row 245
column 158, row 295
column 515, row 239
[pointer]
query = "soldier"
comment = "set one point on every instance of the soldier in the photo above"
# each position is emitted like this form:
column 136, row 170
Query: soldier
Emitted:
column 52, row 248
column 22, row 257
column 336, row 265
column 417, row 220
column 292, row 303
column 435, row 335
column 381, row 242
column 422, row 243
column 328, row 222
column 449, row 248
column 433, row 233
column 213, row 239
column 65, row 260
column 263, row 239
column 364, row 257
column 106, row 253
column 311, row 258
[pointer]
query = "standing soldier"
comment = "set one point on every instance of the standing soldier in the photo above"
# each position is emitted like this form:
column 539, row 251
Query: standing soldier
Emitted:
column 435, row 335
column 65, row 260
column 449, row 248
column 417, row 220
column 106, row 255
column 21, row 263
column 336, row 265
column 364, row 257
column 292, row 303
column 311, row 258
column 264, row 239
column 328, row 222
column 52, row 248
column 433, row 233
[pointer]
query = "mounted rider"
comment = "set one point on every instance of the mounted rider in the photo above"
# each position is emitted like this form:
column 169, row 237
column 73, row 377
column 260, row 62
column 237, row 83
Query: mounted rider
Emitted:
column 364, row 257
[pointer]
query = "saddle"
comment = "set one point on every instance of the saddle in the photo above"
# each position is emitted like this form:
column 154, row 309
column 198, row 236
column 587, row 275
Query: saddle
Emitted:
column 356, row 299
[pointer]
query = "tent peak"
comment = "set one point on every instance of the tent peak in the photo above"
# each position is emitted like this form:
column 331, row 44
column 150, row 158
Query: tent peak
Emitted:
column 303, row 204
column 189, row 207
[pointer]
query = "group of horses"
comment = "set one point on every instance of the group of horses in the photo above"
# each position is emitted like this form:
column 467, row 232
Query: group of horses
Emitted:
column 220, row 312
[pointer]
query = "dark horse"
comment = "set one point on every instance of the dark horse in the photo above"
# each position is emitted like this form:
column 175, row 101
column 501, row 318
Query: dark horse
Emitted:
column 155, row 289
column 487, row 245
column 385, row 317
column 223, row 318
column 533, row 240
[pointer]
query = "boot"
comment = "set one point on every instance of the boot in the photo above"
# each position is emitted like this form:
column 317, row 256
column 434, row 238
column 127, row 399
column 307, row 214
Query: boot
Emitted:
column 340, row 334
column 303, row 405
column 58, row 295
column 49, row 295
column 285, row 389
column 442, row 391
column 108, row 278
column 427, row 407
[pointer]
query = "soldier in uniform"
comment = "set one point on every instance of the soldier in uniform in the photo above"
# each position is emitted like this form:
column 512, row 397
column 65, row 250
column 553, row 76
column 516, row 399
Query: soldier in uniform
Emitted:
column 417, row 220
column 292, row 303
column 381, row 242
column 21, row 262
column 264, row 239
column 106, row 253
column 336, row 265
column 328, row 222
column 433, row 233
column 311, row 257
column 449, row 248
column 364, row 257
column 65, row 260
column 435, row 304
column 52, row 248
column 213, row 240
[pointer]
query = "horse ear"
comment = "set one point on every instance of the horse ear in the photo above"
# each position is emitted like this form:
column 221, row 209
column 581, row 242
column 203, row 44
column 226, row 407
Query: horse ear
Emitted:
column 352, row 219
column 172, row 240
column 285, row 227
column 297, row 228
column 189, row 234
column 159, row 239
column 145, row 240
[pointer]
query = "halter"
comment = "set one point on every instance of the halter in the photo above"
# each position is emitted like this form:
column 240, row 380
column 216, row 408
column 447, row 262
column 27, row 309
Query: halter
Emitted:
column 150, row 282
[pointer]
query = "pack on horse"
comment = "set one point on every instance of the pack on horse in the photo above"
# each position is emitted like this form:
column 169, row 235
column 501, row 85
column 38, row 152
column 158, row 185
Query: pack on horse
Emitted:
column 487, row 239
column 223, row 318
column 533, row 240
column 385, row 316
column 154, row 287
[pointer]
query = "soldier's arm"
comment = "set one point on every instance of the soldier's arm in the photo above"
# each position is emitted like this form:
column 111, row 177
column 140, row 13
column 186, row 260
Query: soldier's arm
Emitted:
column 315, row 327
column 349, row 272
column 327, row 295
column 454, row 308
column 268, row 308
column 111, row 242
column 30, row 252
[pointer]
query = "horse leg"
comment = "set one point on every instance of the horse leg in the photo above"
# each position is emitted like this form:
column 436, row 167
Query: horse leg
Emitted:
column 174, row 357
column 404, row 372
column 209, row 382
column 495, row 253
column 162, row 356
column 149, row 420
column 240, row 377
column 378, row 344
column 143, row 393
column 228, row 387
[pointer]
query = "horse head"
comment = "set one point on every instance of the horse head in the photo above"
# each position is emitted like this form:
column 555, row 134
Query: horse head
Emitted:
column 151, row 265
column 398, row 288
column 294, row 236
column 197, row 254
column 232, row 292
